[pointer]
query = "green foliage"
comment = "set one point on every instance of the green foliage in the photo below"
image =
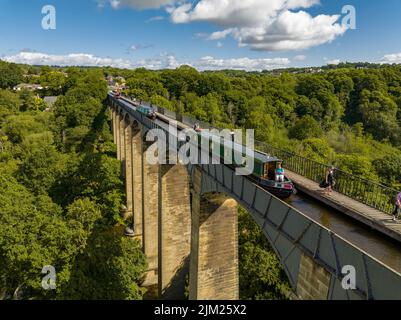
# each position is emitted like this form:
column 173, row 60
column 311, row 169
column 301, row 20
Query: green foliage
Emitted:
column 261, row 120
column 389, row 168
column 208, row 109
column 110, row 269
column 61, row 195
column 53, row 82
column 96, row 176
column 17, row 127
column 261, row 274
column 343, row 85
column 31, row 102
column 178, row 82
column 357, row 107
column 41, row 164
column 84, row 211
column 372, row 104
column 317, row 99
column 9, row 104
column 317, row 149
column 161, row 102
column 357, row 165
column 74, row 112
column 59, row 168
column 32, row 235
column 147, row 82
column 305, row 128
column 10, row 75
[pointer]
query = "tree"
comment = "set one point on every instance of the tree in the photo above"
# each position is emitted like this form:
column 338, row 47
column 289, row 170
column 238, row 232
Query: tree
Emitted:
column 147, row 82
column 33, row 235
column 378, row 112
column 181, row 81
column 323, row 104
column 161, row 102
column 343, row 85
column 97, row 177
column 85, row 212
column 10, row 75
column 389, row 169
column 41, row 165
column 260, row 119
column 111, row 268
column 53, row 82
column 305, row 128
column 17, row 127
column 358, row 165
column 31, row 102
column 240, row 105
column 9, row 104
column 66, row 212
column 318, row 150
column 210, row 83
column 261, row 274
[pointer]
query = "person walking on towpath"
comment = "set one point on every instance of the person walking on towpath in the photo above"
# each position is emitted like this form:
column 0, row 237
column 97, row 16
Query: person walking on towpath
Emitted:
column 397, row 209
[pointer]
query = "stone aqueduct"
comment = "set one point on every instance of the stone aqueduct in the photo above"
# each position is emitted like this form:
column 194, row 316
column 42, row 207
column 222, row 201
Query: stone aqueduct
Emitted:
column 186, row 219
column 166, row 205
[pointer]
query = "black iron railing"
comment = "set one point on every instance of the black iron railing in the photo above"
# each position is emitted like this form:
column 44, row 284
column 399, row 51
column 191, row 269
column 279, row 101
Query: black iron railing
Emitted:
column 368, row 192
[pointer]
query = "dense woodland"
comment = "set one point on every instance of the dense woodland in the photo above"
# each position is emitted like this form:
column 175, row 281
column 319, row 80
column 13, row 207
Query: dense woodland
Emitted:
column 61, row 193
column 61, row 185
column 347, row 116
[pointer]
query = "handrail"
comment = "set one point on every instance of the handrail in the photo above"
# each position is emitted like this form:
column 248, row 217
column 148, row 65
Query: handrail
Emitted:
column 370, row 193
column 373, row 194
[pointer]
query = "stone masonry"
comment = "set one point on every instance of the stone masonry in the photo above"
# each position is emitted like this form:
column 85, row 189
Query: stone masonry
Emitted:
column 174, row 230
column 313, row 280
column 214, row 246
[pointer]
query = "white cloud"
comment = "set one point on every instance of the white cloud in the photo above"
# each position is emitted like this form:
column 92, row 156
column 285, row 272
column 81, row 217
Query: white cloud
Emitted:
column 201, row 35
column 263, row 25
column 154, row 19
column 73, row 59
column 300, row 58
column 266, row 25
column 136, row 47
column 163, row 61
column 211, row 63
column 334, row 61
column 137, row 4
column 219, row 35
column 392, row 58
column 219, row 45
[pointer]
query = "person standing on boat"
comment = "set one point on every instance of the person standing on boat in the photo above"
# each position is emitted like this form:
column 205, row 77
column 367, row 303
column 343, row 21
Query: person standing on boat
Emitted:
column 197, row 127
column 397, row 209
column 279, row 172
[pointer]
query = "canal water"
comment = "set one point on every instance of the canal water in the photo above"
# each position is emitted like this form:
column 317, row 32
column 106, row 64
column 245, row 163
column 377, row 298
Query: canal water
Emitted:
column 379, row 246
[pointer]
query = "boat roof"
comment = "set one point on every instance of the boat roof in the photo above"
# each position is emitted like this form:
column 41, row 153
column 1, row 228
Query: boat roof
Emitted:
column 258, row 155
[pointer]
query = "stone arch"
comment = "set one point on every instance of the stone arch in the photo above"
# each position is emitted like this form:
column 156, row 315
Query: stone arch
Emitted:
column 127, row 164
column 259, row 204
column 166, row 226
column 214, row 244
column 120, row 133
column 295, row 238
column 174, row 230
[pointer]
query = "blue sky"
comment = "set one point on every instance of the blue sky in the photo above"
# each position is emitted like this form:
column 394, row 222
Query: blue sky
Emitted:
column 166, row 33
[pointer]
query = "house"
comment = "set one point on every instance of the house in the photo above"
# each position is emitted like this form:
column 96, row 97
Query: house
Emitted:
column 28, row 86
column 50, row 101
